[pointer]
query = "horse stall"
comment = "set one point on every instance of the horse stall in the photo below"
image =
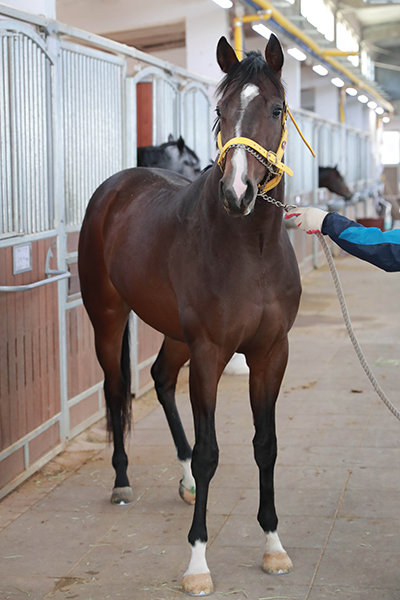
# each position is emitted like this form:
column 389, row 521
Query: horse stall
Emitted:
column 74, row 106
column 68, row 120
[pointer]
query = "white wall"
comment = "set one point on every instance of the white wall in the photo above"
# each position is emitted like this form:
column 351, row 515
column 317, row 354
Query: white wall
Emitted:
column 291, row 76
column 205, row 22
column 204, row 27
column 46, row 8
column 327, row 101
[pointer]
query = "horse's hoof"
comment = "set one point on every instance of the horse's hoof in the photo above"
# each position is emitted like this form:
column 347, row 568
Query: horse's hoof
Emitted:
column 198, row 584
column 278, row 563
column 188, row 495
column 122, row 495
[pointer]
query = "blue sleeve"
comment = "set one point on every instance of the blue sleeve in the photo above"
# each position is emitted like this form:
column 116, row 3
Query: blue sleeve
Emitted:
column 380, row 248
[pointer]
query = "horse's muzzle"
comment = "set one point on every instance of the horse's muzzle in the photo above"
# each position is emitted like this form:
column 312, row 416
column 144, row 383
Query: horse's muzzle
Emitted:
column 237, row 204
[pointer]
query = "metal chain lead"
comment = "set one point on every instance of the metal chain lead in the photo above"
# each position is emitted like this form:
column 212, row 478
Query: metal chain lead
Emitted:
column 271, row 170
column 271, row 200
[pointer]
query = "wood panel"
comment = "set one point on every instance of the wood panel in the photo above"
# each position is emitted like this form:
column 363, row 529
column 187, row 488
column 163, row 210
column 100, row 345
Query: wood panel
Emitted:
column 144, row 113
column 83, row 410
column 29, row 356
column 83, row 369
column 11, row 466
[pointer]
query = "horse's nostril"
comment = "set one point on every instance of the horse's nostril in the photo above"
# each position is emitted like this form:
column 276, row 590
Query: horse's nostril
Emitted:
column 249, row 194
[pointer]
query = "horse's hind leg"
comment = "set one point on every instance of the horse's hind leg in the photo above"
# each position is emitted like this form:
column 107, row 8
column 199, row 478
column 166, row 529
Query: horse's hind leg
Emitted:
column 112, row 348
column 172, row 356
column 266, row 374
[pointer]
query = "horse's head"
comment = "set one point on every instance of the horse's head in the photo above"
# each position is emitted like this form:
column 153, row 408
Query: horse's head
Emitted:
column 251, row 106
column 181, row 159
column 330, row 178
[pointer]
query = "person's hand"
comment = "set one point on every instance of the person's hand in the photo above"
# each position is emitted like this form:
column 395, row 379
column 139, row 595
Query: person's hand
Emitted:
column 309, row 219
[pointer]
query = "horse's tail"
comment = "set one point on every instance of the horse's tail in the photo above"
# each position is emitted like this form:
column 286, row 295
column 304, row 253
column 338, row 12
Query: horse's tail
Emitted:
column 126, row 395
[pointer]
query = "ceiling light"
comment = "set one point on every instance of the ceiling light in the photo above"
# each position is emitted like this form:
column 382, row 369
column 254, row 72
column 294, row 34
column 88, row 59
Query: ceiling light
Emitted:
column 379, row 110
column 224, row 3
column 385, row 120
column 320, row 69
column 261, row 29
column 338, row 82
column 351, row 91
column 297, row 54
column 372, row 105
column 362, row 98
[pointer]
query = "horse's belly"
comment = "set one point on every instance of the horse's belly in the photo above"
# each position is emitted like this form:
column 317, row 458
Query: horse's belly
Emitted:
column 155, row 304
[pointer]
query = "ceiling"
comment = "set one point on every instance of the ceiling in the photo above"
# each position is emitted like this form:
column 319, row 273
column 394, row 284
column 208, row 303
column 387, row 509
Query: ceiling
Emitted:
column 376, row 22
column 380, row 29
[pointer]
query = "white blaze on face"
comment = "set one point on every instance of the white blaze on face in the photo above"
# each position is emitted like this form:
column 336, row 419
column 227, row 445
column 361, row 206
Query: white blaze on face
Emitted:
column 239, row 158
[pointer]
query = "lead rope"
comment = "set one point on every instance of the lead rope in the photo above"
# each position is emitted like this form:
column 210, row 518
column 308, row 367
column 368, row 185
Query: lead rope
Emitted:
column 345, row 312
column 346, row 318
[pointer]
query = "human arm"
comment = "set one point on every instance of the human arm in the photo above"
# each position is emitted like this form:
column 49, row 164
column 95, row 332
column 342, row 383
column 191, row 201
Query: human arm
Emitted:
column 380, row 248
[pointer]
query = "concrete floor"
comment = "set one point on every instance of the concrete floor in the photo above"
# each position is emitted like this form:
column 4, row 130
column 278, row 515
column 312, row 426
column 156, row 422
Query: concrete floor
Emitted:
column 337, row 480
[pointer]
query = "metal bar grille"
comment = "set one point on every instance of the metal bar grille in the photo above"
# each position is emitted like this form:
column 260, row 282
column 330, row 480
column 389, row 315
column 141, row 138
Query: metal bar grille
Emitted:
column 92, row 90
column 25, row 128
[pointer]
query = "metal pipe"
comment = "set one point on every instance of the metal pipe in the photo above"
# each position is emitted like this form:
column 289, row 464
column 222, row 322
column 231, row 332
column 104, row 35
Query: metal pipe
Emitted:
column 314, row 47
column 35, row 284
column 336, row 52
column 238, row 37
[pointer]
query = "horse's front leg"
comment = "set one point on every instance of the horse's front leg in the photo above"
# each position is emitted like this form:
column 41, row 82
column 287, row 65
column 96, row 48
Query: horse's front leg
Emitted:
column 205, row 371
column 265, row 380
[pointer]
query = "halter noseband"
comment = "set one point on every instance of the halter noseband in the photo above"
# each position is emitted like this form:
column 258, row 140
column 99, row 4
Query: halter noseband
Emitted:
column 272, row 160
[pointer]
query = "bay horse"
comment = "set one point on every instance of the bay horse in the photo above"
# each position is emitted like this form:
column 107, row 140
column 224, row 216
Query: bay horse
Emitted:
column 210, row 265
column 173, row 155
column 332, row 179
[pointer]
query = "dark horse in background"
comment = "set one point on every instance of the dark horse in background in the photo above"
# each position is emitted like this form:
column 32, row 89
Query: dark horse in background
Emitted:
column 173, row 155
column 330, row 178
column 210, row 265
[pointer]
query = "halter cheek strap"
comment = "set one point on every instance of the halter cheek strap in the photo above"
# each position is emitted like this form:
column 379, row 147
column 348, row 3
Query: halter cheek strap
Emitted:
column 266, row 157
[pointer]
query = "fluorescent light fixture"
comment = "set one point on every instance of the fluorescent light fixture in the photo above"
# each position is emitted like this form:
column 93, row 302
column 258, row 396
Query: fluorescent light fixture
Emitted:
column 224, row 3
column 379, row 110
column 297, row 54
column 351, row 91
column 372, row 105
column 261, row 29
column 320, row 69
column 338, row 82
column 362, row 98
column 385, row 120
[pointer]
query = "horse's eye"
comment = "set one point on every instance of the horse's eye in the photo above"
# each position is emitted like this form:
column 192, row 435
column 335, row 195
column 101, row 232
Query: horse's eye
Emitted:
column 276, row 113
column 218, row 111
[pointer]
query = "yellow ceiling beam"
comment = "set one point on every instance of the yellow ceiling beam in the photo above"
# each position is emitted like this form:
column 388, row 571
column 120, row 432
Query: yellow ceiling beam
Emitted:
column 273, row 13
column 336, row 52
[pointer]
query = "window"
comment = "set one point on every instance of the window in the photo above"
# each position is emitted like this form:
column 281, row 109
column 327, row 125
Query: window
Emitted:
column 319, row 14
column 347, row 41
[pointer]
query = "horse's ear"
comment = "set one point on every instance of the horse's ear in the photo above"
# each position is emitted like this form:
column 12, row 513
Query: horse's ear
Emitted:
column 274, row 54
column 170, row 137
column 226, row 56
column 180, row 143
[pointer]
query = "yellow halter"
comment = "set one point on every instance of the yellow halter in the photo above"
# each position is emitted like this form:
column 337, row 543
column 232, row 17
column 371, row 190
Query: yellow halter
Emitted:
column 268, row 158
